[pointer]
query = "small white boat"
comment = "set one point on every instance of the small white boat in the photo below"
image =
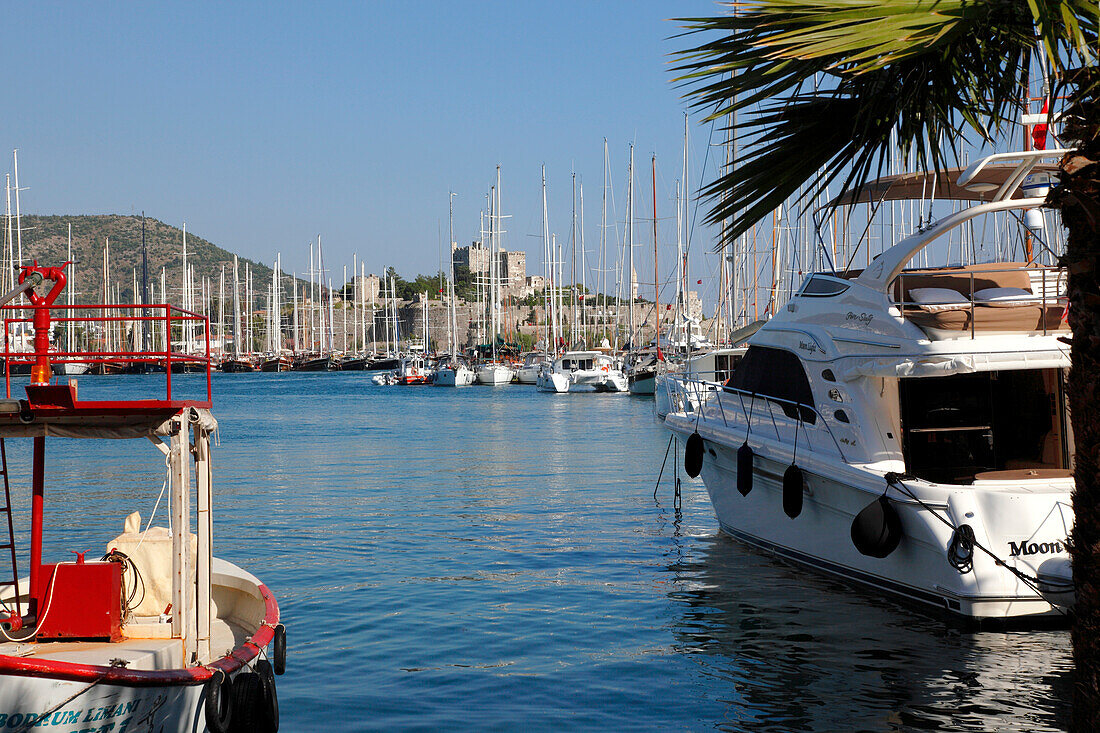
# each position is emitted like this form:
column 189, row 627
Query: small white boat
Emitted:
column 384, row 379
column 71, row 368
column 454, row 373
column 494, row 373
column 528, row 371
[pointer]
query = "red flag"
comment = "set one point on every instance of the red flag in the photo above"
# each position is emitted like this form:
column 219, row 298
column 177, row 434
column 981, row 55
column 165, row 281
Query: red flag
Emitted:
column 698, row 282
column 1039, row 132
column 660, row 356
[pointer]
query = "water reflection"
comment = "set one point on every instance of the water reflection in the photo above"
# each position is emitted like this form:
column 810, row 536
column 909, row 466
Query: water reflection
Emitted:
column 796, row 651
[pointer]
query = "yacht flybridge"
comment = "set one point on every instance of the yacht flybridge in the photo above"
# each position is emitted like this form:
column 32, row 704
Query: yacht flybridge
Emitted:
column 907, row 429
column 157, row 634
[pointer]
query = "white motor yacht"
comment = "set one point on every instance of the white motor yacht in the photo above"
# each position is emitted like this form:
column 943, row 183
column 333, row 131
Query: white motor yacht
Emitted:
column 907, row 430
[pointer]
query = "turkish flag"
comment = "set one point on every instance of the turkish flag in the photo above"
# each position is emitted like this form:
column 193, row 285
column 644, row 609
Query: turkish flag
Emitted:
column 698, row 282
column 1039, row 133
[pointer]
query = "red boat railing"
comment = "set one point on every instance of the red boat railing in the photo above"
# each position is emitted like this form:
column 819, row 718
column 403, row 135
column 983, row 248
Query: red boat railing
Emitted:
column 163, row 316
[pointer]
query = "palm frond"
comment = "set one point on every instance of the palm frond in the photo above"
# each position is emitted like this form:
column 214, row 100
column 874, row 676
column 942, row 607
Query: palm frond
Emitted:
column 823, row 85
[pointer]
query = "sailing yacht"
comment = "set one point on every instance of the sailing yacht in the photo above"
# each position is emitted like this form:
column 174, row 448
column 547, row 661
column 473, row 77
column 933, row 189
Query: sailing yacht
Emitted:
column 907, row 429
column 455, row 372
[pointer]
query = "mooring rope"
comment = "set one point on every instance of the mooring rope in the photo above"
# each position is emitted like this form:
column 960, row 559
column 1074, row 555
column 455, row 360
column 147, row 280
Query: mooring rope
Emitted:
column 967, row 542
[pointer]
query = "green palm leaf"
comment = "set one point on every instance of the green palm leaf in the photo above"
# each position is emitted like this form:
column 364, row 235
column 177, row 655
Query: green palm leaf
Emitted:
column 822, row 87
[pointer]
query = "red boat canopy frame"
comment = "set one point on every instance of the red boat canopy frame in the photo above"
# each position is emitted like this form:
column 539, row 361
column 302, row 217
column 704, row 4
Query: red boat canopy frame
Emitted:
column 84, row 315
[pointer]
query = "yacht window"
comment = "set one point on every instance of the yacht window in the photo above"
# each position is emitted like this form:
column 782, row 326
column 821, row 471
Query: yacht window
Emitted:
column 841, row 415
column 822, row 286
column 724, row 364
column 775, row 373
column 828, row 375
column 967, row 426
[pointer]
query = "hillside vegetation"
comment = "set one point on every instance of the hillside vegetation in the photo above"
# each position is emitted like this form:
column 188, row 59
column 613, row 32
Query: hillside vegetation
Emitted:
column 44, row 239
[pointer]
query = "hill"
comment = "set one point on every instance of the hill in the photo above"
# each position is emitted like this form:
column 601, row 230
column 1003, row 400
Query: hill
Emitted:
column 45, row 237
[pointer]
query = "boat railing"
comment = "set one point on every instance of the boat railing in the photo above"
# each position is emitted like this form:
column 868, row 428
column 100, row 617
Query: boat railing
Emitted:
column 1046, row 283
column 166, row 323
column 694, row 395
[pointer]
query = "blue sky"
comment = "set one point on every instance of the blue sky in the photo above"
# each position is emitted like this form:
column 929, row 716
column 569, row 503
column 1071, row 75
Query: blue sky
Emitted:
column 264, row 124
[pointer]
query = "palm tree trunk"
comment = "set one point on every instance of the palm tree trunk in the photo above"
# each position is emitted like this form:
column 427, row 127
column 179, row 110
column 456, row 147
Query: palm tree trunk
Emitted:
column 1079, row 200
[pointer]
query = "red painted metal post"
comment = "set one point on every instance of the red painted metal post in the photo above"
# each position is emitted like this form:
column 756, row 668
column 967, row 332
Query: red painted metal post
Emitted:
column 41, row 372
column 168, row 350
column 38, row 478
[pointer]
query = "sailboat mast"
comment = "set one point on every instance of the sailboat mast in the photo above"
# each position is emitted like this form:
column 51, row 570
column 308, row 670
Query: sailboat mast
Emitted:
column 221, row 312
column 453, row 338
column 312, row 299
column 70, row 326
column 236, row 308
column 630, row 238
column 295, row 342
column 548, row 288
column 656, row 279
column 583, row 294
column 144, row 282
column 573, row 265
column 601, row 275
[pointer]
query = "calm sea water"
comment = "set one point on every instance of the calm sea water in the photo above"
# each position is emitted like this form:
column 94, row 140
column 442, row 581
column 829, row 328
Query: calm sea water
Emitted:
column 494, row 559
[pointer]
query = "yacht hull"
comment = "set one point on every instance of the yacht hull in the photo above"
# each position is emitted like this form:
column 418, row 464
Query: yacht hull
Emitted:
column 644, row 383
column 552, row 382
column 599, row 380
column 528, row 375
column 918, row 570
column 81, row 686
column 494, row 374
column 460, row 377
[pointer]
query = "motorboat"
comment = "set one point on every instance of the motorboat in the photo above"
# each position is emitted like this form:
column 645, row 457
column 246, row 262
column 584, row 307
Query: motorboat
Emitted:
column 907, row 429
column 528, row 371
column 591, row 370
column 704, row 373
column 413, row 370
column 494, row 373
column 158, row 633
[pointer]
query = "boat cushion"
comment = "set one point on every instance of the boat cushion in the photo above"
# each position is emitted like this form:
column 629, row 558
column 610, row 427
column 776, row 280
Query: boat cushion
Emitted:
column 959, row 279
column 989, row 318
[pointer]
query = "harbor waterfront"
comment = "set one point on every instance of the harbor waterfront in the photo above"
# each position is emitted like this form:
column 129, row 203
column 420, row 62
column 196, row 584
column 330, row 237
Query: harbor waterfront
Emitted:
column 490, row 559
